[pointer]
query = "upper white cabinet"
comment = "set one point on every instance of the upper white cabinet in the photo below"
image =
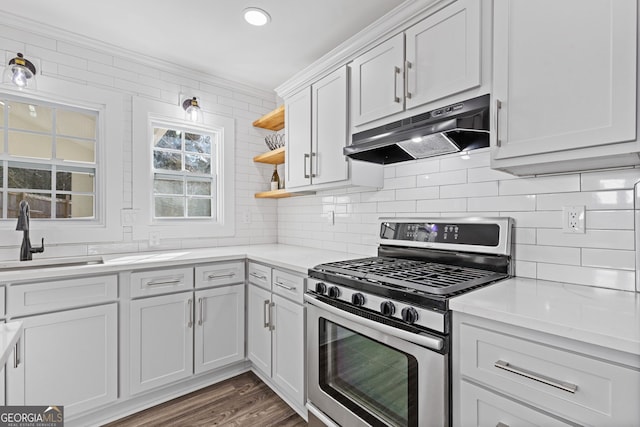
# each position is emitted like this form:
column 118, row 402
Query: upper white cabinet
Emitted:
column 564, row 85
column 317, row 130
column 436, row 58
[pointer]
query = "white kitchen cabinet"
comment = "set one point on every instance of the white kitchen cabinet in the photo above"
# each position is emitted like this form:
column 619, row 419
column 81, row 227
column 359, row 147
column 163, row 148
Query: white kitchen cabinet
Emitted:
column 219, row 327
column 258, row 328
column 557, row 379
column 298, row 134
column 288, row 347
column 67, row 358
column 564, row 85
column 435, row 58
column 161, row 340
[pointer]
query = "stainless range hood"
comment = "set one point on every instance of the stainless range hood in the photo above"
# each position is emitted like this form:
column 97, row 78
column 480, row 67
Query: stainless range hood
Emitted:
column 458, row 127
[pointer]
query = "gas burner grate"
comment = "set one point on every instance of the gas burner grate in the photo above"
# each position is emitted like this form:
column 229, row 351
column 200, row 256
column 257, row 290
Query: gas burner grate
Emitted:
column 421, row 276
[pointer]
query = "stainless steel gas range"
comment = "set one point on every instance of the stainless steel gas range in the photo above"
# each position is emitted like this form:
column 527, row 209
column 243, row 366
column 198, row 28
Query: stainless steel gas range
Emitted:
column 378, row 329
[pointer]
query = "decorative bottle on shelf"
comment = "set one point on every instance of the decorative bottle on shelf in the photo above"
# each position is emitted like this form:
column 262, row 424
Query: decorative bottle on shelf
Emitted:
column 275, row 178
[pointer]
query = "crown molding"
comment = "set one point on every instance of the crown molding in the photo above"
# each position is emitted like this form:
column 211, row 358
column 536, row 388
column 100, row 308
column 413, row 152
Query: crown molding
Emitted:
column 392, row 23
column 46, row 30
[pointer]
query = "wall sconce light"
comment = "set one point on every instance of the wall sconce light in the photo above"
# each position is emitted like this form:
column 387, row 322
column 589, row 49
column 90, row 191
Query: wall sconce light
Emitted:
column 192, row 109
column 21, row 72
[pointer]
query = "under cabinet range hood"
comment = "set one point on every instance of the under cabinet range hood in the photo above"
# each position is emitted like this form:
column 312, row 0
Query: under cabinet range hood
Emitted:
column 458, row 127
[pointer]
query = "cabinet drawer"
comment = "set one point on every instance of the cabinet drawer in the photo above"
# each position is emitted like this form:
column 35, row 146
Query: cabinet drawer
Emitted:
column 288, row 285
column 260, row 275
column 219, row 274
column 480, row 407
column 563, row 382
column 60, row 294
column 155, row 282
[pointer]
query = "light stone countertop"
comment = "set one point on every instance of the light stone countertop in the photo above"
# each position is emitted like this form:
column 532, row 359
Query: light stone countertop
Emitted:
column 604, row 317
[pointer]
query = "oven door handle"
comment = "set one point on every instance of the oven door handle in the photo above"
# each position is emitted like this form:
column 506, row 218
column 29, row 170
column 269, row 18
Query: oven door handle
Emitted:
column 422, row 339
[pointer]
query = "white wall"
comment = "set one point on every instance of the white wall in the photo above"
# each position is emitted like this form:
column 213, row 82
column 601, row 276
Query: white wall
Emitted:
column 69, row 57
column 453, row 186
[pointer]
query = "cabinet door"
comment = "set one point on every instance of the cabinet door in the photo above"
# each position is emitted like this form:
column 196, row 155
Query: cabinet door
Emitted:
column 443, row 53
column 161, row 340
column 288, row 348
column 68, row 358
column 298, row 147
column 565, row 76
column 330, row 128
column 258, row 319
column 377, row 82
column 219, row 336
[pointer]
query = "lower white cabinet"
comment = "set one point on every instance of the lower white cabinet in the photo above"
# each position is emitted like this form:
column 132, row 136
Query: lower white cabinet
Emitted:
column 276, row 341
column 174, row 336
column 66, row 358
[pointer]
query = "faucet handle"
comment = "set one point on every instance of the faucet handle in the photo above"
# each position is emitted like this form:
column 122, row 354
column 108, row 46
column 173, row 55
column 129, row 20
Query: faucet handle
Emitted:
column 38, row 250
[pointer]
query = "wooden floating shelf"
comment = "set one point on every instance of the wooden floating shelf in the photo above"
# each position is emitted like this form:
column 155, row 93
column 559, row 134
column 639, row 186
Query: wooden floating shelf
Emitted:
column 274, row 157
column 280, row 194
column 273, row 120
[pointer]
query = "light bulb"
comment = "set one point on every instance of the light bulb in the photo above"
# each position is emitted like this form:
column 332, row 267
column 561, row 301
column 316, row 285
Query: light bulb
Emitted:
column 194, row 113
column 19, row 77
column 255, row 16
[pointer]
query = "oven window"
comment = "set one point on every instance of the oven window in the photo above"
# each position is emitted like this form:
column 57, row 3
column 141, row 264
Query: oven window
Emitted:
column 377, row 382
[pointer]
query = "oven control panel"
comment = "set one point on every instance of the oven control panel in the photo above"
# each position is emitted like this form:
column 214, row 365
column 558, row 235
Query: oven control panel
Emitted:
column 419, row 316
column 442, row 232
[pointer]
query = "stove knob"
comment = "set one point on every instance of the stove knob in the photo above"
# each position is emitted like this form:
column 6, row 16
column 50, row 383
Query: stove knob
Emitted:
column 357, row 299
column 409, row 315
column 321, row 288
column 387, row 308
column 334, row 292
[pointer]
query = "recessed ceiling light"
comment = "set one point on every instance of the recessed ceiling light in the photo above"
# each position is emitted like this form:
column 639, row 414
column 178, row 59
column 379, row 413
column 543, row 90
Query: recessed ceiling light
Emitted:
column 255, row 16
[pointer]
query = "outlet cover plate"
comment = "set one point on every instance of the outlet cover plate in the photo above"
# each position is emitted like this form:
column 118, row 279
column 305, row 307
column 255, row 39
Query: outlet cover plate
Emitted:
column 573, row 219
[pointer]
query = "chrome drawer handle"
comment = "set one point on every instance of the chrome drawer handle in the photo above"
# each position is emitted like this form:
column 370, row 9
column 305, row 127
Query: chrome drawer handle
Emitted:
column 258, row 276
column 220, row 276
column 498, row 107
column 571, row 388
column 190, row 322
column 165, row 282
column 265, row 307
column 16, row 355
column 282, row 285
column 407, row 67
column 271, row 325
column 200, row 302
column 396, row 71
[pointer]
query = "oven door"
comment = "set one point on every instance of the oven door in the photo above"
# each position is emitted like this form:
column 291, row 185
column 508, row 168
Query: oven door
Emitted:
column 364, row 371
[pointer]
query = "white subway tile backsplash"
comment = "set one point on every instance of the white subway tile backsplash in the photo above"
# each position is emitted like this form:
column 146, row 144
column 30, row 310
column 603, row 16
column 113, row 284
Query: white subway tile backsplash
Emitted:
column 398, row 206
column 525, row 269
column 442, row 205
column 487, row 174
column 479, row 189
column 400, row 182
column 543, row 219
column 621, row 260
column 418, row 193
column 442, row 178
column 549, row 254
column 599, row 277
column 524, row 236
column 417, row 167
column 541, row 185
column 609, row 180
column 503, row 203
column 603, row 239
column 474, row 159
column 593, row 200
column 609, row 220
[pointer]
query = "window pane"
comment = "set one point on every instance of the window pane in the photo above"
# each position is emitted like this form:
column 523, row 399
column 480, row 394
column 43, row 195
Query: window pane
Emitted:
column 200, row 188
column 168, row 186
column 169, row 207
column 76, row 150
column 74, row 206
column 30, row 145
column 195, row 163
column 30, row 117
column 74, row 123
column 199, row 207
column 197, row 143
column 1, row 178
column 167, row 161
column 75, row 181
column 39, row 204
column 35, row 179
column 167, row 138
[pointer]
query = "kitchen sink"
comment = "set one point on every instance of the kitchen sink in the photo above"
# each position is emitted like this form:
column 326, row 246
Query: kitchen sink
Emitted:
column 50, row 263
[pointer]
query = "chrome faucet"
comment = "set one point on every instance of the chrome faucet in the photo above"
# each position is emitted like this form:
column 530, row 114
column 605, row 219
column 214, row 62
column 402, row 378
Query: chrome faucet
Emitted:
column 26, row 250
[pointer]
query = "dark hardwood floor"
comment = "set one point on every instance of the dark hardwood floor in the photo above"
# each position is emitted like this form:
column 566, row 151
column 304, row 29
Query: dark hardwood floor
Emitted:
column 240, row 401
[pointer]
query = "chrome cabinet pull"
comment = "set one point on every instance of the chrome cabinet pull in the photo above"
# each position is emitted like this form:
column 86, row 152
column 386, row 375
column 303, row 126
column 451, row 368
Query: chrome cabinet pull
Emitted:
column 165, row 282
column 258, row 276
column 265, row 307
column 282, row 285
column 498, row 107
column 190, row 322
column 200, row 317
column 571, row 388
column 407, row 67
column 396, row 71
column 16, row 354
column 311, row 168
column 271, row 325
column 220, row 276
column 306, row 156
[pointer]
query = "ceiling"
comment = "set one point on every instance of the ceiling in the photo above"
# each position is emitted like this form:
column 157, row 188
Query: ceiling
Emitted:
column 211, row 36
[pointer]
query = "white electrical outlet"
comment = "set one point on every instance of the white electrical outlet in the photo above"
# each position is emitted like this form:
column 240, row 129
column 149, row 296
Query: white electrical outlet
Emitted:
column 573, row 218
column 154, row 239
column 246, row 217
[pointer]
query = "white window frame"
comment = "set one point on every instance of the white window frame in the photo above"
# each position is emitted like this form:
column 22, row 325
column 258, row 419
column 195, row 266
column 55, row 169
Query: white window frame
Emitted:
column 146, row 114
column 109, row 149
